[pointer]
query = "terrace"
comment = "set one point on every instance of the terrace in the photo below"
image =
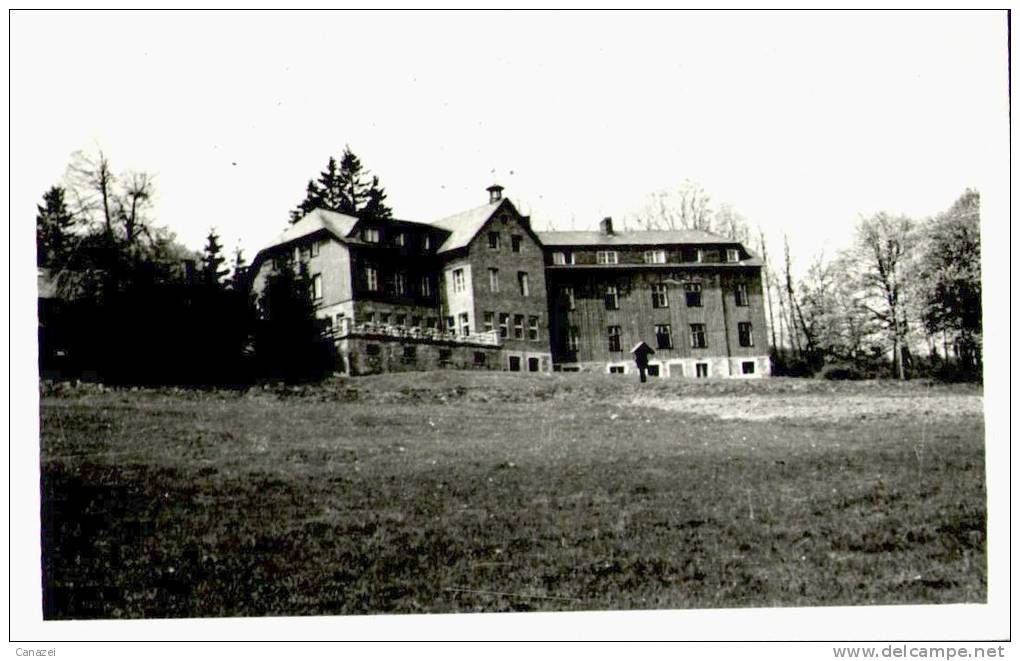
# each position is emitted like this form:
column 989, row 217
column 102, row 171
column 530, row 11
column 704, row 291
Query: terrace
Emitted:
column 346, row 328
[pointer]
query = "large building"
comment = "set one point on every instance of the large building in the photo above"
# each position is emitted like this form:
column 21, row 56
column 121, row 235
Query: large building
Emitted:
column 482, row 290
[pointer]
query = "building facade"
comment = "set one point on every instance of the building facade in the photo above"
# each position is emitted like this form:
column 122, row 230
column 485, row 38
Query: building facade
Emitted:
column 482, row 290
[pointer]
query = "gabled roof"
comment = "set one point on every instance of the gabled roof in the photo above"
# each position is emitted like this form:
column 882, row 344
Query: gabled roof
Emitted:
column 337, row 224
column 465, row 225
column 637, row 238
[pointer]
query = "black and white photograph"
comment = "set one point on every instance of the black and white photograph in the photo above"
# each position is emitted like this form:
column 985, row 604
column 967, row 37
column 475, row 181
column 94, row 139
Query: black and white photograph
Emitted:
column 661, row 325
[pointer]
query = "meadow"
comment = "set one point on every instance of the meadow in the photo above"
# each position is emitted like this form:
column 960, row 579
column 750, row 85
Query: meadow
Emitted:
column 466, row 492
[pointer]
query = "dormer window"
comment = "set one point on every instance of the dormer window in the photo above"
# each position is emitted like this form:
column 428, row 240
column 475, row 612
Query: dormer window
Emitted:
column 655, row 257
column 370, row 235
column 732, row 255
column 426, row 243
column 400, row 239
column 606, row 257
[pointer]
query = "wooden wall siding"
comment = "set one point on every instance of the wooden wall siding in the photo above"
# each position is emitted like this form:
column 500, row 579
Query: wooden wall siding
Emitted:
column 387, row 261
column 454, row 303
column 637, row 318
column 509, row 299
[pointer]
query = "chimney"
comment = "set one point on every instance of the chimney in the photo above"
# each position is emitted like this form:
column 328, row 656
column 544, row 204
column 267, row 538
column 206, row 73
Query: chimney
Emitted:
column 495, row 193
column 606, row 226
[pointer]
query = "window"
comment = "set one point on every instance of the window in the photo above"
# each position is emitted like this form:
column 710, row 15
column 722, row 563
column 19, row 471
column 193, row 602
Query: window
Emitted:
column 399, row 283
column 515, row 243
column 415, row 321
column 532, row 328
column 465, row 325
column 573, row 339
column 369, row 317
column 370, row 235
column 614, row 338
column 741, row 295
column 504, row 324
column 518, row 326
column 479, row 358
column 744, row 334
column 515, row 363
column 692, row 292
column 384, row 318
column 617, row 369
column 490, row 319
column 493, row 240
column 409, row 353
column 652, row 370
column 451, row 325
column 432, row 323
column 426, row 286
column 533, row 364
column 606, row 257
column 663, row 337
column 700, row 256
column 612, row 298
column 747, row 367
column 445, row 354
column 655, row 257
column 559, row 258
column 458, row 280
column 426, row 243
column 522, row 281
column 659, row 298
column 494, row 281
column 401, row 320
column 701, row 370
column 371, row 278
column 317, row 286
column 568, row 296
column 698, row 336
column 304, row 253
column 400, row 239
column 373, row 349
column 315, row 248
column 732, row 255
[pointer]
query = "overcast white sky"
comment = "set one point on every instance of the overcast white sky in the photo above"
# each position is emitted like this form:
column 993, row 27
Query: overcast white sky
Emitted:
column 801, row 121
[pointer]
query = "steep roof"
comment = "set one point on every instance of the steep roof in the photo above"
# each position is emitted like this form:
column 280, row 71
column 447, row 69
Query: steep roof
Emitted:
column 337, row 224
column 465, row 225
column 638, row 238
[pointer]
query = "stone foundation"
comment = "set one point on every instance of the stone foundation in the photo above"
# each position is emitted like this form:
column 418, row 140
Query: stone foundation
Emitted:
column 674, row 368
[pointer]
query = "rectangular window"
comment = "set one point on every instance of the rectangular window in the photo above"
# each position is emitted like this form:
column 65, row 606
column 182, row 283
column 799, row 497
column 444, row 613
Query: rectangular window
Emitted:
column 515, row 243
column 399, row 283
column 559, row 258
column 504, row 324
column 744, row 334
column 573, row 339
column 612, row 298
column 370, row 235
column 692, row 292
column 401, row 319
column 732, row 255
column 432, row 323
column 747, row 367
column 451, row 325
column 533, row 364
column 518, row 326
column 490, row 320
column 568, row 296
column 652, row 370
column 532, row 328
column 426, row 286
column 494, row 281
column 458, row 280
column 371, row 278
column 445, row 354
column 465, row 326
column 663, row 337
column 315, row 248
column 522, row 281
column 701, row 370
column 416, row 321
column 617, row 369
column 515, row 363
column 700, row 257
column 655, row 257
column 659, row 298
column 369, row 318
column 479, row 358
column 317, row 286
column 426, row 243
column 384, row 318
column 741, row 295
column 606, row 257
column 400, row 239
column 493, row 240
column 698, row 336
column 304, row 253
column 410, row 351
column 614, row 338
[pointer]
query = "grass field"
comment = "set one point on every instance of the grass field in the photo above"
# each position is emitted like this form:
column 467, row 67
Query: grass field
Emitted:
column 462, row 492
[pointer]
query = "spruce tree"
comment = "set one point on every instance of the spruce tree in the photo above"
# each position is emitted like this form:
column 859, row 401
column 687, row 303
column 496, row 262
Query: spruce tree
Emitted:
column 213, row 260
column 53, row 226
column 347, row 189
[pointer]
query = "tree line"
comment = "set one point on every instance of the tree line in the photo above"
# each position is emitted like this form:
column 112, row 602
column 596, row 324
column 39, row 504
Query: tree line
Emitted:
column 131, row 305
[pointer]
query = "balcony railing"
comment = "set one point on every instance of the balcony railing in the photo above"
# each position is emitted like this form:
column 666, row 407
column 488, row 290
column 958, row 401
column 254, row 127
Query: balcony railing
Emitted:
column 347, row 328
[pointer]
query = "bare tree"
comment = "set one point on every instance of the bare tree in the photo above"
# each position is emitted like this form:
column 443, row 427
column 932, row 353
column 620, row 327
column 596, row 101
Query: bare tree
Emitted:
column 731, row 223
column 686, row 207
column 137, row 194
column 767, row 282
column 92, row 181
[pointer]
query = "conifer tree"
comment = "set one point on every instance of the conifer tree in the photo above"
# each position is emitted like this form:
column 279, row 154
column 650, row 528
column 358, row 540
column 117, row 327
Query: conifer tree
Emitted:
column 213, row 260
column 346, row 188
column 53, row 226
